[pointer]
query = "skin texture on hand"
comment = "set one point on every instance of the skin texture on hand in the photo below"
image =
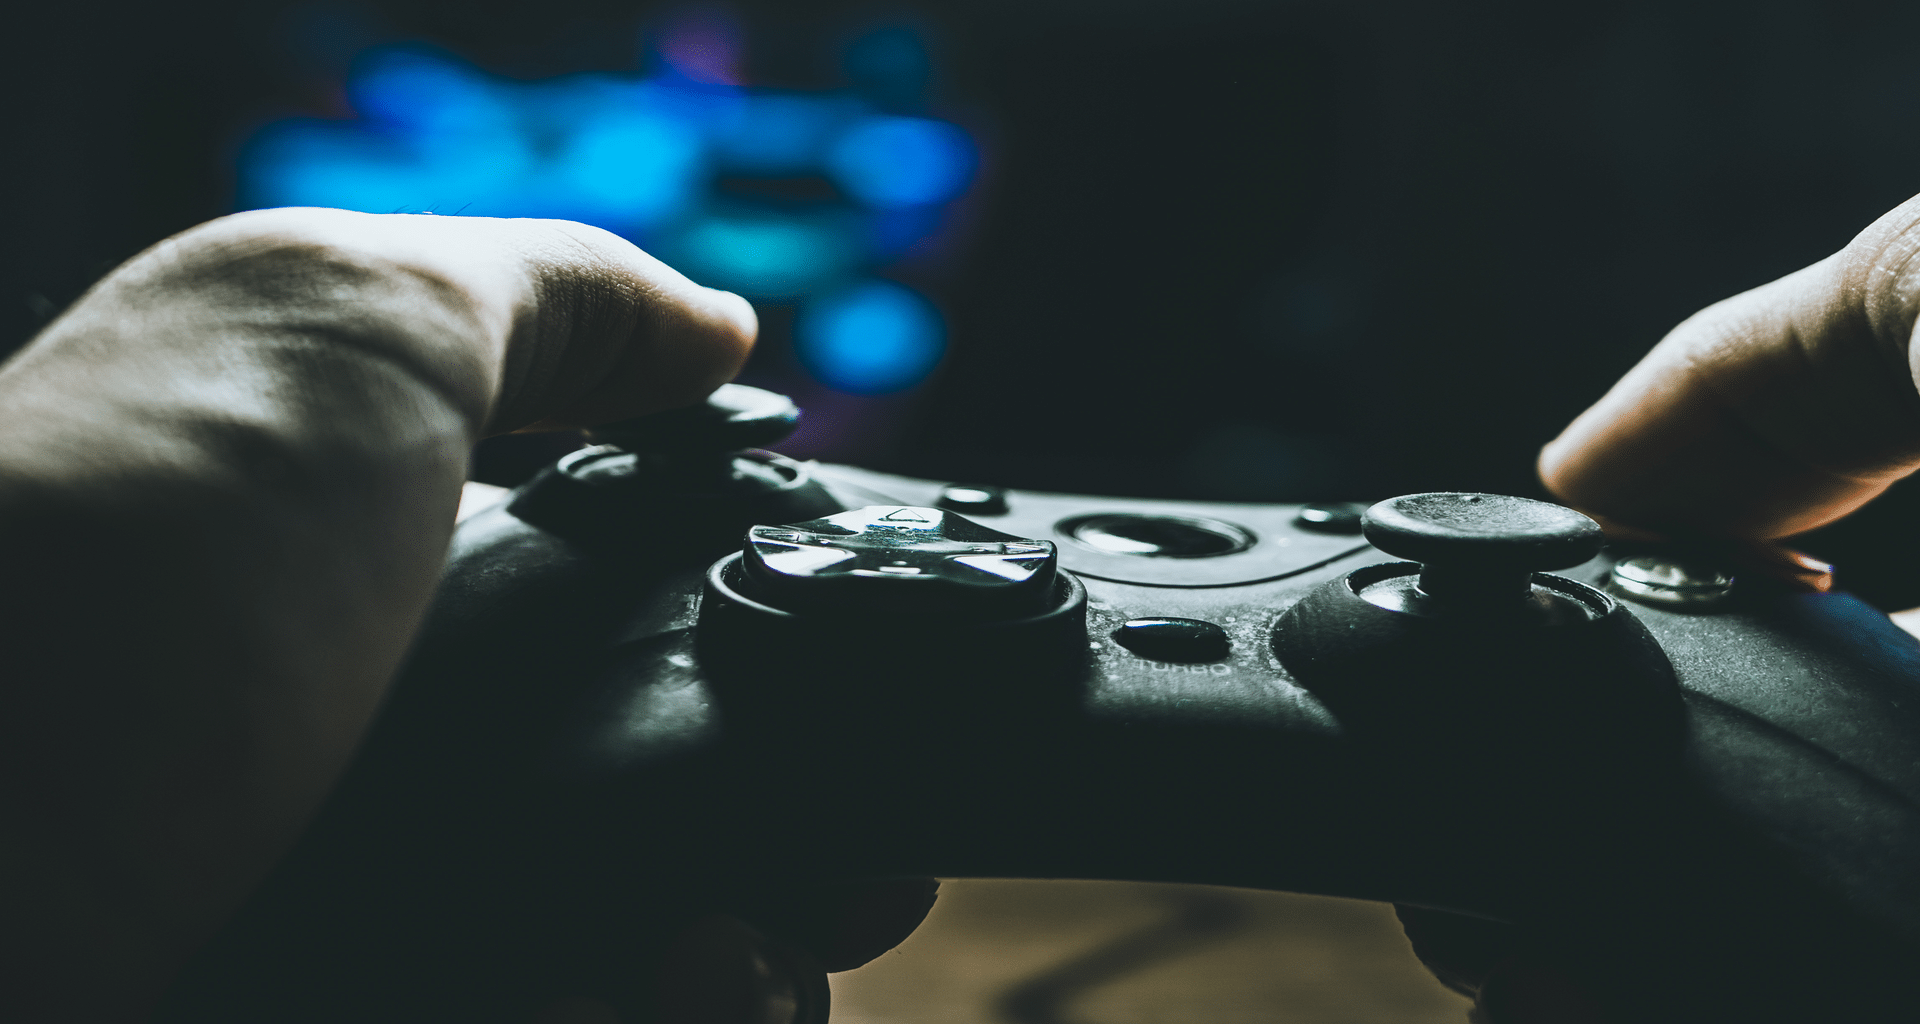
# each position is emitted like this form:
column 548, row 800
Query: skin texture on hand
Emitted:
column 1766, row 415
column 227, row 485
column 1769, row 414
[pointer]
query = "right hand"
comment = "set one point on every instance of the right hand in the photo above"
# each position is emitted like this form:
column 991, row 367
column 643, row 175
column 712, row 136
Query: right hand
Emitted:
column 1769, row 414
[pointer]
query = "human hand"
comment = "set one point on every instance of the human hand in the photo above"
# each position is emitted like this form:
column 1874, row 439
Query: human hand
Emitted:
column 1763, row 416
column 1768, row 414
column 227, row 484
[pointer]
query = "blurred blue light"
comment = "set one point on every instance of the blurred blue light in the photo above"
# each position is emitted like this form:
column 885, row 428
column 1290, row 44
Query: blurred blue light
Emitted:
column 668, row 160
column 873, row 338
column 438, row 136
column 626, row 154
column 421, row 93
column 765, row 257
column 780, row 133
column 630, row 168
column 892, row 232
column 317, row 163
column 903, row 161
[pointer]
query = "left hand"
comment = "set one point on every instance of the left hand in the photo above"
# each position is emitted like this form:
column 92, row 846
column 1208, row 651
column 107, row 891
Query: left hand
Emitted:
column 227, row 482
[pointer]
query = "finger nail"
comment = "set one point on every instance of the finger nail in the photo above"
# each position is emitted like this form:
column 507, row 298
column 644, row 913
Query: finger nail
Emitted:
column 1795, row 568
column 721, row 971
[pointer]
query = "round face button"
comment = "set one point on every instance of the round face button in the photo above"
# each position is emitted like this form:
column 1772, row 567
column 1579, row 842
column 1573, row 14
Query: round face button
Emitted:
column 1156, row 536
column 975, row 499
column 1665, row 581
column 1331, row 517
column 899, row 560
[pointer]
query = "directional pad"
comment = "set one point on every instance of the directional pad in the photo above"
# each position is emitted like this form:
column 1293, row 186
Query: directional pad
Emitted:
column 900, row 560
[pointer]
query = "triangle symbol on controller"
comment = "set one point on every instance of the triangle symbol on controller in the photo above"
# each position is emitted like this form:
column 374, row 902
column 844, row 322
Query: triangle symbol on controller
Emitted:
column 905, row 515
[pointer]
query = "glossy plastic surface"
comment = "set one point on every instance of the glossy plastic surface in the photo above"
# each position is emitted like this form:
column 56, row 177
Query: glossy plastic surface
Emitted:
column 897, row 561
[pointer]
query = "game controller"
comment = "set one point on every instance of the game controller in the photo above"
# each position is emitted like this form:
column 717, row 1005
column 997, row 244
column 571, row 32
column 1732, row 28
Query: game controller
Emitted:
column 674, row 665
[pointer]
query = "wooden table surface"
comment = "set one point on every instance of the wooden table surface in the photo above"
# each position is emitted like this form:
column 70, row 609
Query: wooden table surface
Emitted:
column 1046, row 952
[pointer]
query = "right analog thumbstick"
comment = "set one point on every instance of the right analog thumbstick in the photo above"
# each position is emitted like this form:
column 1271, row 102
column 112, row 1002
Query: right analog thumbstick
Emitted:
column 1480, row 547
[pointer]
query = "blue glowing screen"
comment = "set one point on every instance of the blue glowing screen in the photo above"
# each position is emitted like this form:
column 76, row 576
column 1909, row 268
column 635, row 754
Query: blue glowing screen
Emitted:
column 785, row 196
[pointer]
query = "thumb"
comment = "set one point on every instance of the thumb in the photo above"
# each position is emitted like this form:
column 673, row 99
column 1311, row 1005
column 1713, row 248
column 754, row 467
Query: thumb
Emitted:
column 1767, row 414
column 611, row 332
column 549, row 323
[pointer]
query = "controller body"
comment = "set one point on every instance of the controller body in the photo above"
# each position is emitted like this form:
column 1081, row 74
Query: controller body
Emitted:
column 564, row 758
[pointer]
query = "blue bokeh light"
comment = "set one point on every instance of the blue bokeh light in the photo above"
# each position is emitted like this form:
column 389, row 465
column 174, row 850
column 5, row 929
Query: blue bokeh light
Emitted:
column 425, row 95
column 659, row 159
column 902, row 161
column 781, row 133
column 633, row 169
column 766, row 256
column 873, row 338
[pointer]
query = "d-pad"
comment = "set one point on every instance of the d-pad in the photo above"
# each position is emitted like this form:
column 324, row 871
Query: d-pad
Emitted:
column 900, row 560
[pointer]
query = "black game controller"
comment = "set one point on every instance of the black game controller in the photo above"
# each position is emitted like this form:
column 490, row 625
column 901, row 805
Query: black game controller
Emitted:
column 668, row 664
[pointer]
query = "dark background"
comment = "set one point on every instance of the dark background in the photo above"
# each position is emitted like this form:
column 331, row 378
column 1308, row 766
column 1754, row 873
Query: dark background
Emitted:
column 1225, row 249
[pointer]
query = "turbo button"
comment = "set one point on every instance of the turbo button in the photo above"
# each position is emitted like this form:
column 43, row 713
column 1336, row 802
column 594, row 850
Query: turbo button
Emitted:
column 1173, row 639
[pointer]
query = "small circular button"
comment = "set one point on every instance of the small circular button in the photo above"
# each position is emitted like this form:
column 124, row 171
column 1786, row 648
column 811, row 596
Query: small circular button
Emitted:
column 974, row 499
column 1651, row 579
column 1331, row 517
column 1171, row 639
column 1156, row 536
column 1480, row 546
